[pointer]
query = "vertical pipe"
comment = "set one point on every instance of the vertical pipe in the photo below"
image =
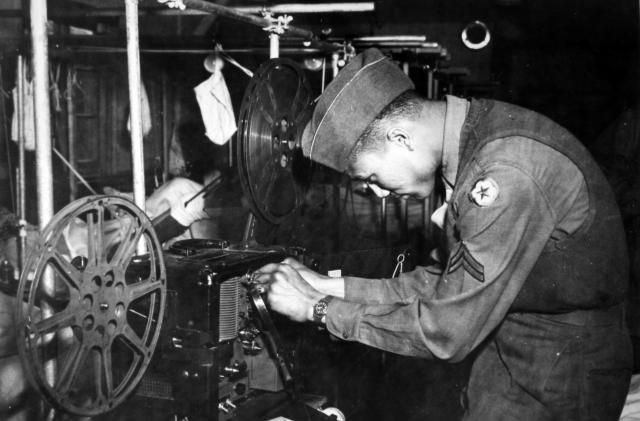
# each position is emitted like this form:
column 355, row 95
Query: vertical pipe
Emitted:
column 71, row 132
column 22, row 203
column 405, row 67
column 324, row 74
column 166, row 126
column 135, row 102
column 44, row 165
column 274, row 45
column 429, row 83
column 334, row 64
column 44, row 168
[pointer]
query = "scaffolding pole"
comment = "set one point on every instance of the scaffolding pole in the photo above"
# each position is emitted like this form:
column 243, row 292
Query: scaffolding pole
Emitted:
column 135, row 95
column 44, row 168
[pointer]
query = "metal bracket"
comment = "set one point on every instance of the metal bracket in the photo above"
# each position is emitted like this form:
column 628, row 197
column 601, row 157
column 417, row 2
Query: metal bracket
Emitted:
column 277, row 25
column 174, row 4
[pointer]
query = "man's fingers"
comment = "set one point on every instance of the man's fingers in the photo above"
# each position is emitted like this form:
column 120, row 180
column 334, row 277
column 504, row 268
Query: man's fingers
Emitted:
column 263, row 275
column 293, row 263
column 267, row 269
column 295, row 279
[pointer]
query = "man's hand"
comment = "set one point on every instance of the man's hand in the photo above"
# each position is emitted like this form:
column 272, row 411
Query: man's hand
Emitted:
column 325, row 284
column 288, row 293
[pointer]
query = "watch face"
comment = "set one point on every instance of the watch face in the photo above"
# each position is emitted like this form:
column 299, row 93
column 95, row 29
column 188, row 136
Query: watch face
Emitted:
column 320, row 308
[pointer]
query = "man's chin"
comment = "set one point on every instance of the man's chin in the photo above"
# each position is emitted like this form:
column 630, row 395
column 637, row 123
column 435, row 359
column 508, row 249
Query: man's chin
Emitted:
column 420, row 195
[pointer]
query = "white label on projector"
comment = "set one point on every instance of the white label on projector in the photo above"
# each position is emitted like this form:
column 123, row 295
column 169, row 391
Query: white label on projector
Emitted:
column 336, row 273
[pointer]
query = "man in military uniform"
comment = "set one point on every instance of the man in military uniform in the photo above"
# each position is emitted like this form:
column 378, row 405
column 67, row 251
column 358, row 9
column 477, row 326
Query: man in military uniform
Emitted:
column 536, row 269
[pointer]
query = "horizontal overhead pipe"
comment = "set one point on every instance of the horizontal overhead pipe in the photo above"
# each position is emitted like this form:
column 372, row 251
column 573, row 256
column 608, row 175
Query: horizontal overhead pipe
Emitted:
column 254, row 50
column 426, row 48
column 229, row 12
column 298, row 8
column 313, row 8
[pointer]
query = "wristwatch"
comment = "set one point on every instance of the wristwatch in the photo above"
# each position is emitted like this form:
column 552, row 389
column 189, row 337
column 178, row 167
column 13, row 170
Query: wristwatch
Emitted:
column 320, row 310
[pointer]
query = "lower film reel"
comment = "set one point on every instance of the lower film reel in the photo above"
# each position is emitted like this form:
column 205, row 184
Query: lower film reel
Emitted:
column 94, row 290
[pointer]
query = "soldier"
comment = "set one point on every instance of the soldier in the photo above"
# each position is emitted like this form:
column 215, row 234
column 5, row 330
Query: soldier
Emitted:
column 536, row 270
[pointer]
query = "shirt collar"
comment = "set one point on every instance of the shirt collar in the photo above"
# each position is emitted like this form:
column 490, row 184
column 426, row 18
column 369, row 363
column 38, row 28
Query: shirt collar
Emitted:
column 455, row 114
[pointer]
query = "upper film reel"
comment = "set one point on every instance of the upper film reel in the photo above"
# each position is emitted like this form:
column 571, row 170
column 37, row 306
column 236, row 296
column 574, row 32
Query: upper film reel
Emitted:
column 93, row 297
column 275, row 108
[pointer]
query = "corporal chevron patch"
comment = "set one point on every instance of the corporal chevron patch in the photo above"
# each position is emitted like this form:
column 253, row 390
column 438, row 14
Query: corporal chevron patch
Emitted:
column 462, row 258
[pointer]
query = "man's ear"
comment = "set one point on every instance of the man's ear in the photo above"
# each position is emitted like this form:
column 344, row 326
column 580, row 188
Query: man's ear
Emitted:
column 400, row 136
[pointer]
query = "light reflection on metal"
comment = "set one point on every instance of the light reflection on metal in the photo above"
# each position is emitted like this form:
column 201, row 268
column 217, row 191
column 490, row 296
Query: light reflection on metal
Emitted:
column 476, row 35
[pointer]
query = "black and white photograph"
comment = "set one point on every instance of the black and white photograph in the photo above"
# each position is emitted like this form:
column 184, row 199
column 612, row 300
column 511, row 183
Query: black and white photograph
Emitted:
column 315, row 210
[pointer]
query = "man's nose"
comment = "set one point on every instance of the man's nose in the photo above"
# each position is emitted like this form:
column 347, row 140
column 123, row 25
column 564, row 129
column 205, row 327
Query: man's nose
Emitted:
column 380, row 192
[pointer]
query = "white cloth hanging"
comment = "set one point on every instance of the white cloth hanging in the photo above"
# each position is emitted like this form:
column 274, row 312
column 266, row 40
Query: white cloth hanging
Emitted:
column 216, row 108
column 146, row 112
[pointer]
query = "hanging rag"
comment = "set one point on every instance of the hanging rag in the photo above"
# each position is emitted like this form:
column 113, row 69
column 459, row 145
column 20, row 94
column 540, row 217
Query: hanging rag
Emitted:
column 177, row 164
column 215, row 106
column 146, row 112
column 28, row 115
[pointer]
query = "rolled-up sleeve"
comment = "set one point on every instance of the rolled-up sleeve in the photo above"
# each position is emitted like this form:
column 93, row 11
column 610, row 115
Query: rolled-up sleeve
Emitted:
column 447, row 315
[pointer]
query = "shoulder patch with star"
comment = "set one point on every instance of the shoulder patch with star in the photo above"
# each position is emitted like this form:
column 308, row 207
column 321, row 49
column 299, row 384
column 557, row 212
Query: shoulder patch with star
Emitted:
column 484, row 192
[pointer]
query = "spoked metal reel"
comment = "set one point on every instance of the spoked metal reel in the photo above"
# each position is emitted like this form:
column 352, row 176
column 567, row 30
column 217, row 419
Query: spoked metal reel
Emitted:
column 275, row 108
column 93, row 297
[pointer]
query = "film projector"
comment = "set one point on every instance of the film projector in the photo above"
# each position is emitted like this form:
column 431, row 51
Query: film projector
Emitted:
column 120, row 328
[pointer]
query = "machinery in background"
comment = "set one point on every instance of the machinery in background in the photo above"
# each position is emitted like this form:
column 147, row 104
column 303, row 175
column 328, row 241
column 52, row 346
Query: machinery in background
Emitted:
column 121, row 329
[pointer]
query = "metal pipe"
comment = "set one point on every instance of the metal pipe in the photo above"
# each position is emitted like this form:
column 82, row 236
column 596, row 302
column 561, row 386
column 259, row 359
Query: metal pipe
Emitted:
column 74, row 171
column 274, row 45
column 297, row 8
column 334, row 64
column 312, row 8
column 391, row 38
column 256, row 50
column 135, row 102
column 44, row 168
column 22, row 202
column 166, row 126
column 71, row 131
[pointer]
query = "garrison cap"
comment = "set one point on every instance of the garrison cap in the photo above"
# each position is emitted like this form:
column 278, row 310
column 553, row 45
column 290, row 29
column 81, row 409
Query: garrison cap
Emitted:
column 360, row 91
